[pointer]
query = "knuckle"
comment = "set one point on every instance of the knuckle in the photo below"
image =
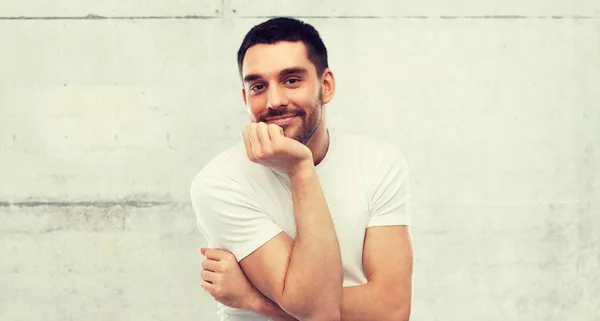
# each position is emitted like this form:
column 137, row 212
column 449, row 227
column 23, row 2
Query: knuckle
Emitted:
column 268, row 151
column 276, row 130
column 229, row 256
column 218, row 290
column 210, row 290
column 275, row 145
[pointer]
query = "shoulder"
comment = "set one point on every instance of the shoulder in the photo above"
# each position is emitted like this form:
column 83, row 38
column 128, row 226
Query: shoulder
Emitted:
column 229, row 169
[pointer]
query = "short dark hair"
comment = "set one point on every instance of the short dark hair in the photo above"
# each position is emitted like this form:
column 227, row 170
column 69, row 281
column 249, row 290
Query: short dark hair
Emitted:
column 286, row 29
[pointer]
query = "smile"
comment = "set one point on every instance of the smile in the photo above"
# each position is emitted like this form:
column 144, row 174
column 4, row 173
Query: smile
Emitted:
column 281, row 120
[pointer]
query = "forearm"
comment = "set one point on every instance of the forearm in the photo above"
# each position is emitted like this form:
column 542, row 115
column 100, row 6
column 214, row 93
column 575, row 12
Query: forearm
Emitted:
column 308, row 292
column 366, row 302
column 271, row 310
column 359, row 303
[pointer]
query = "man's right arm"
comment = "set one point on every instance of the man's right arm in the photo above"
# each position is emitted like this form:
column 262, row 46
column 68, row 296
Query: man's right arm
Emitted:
column 303, row 277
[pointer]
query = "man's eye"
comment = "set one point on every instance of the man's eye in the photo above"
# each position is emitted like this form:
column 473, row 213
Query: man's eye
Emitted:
column 257, row 87
column 292, row 81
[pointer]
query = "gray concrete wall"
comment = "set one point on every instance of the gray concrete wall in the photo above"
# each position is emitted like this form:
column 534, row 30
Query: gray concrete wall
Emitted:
column 109, row 108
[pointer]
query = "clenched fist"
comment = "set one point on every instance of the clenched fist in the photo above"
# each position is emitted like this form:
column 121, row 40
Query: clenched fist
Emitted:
column 225, row 281
column 268, row 146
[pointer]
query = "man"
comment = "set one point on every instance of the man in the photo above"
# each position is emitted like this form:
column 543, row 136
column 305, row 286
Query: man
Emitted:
column 305, row 222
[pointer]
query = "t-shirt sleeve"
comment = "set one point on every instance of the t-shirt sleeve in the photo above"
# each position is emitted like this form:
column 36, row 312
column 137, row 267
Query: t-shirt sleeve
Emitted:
column 229, row 217
column 389, row 201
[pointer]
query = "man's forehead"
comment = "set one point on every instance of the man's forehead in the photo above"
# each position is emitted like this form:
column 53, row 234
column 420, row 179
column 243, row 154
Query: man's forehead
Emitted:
column 273, row 58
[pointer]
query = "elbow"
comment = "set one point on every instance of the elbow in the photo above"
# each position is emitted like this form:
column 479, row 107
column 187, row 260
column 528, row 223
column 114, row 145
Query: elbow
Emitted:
column 397, row 305
column 333, row 315
column 399, row 312
column 397, row 302
column 310, row 311
column 326, row 316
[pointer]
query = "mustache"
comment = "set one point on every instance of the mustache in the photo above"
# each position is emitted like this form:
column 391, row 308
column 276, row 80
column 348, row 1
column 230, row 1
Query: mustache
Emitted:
column 280, row 113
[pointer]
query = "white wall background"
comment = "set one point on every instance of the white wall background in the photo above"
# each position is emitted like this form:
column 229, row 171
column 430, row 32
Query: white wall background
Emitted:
column 109, row 108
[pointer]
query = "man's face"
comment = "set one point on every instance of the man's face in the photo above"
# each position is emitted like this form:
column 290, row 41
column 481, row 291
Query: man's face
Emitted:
column 281, row 86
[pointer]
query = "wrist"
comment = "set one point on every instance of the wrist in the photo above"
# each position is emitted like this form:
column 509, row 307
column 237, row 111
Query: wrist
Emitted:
column 303, row 169
column 256, row 304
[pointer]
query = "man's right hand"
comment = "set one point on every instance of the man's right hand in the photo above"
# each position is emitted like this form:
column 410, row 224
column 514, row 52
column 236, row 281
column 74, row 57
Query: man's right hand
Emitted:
column 268, row 146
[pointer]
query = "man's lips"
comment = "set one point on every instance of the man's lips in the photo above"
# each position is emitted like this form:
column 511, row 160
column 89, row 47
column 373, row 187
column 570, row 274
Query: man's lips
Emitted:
column 281, row 120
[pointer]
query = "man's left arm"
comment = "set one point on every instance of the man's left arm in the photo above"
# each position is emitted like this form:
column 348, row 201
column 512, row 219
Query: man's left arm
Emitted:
column 387, row 295
column 388, row 264
column 387, row 250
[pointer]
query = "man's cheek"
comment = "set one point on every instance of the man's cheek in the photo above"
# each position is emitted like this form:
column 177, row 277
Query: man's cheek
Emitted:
column 256, row 108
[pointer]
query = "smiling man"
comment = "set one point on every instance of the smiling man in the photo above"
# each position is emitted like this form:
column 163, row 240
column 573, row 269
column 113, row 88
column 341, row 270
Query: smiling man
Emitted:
column 303, row 221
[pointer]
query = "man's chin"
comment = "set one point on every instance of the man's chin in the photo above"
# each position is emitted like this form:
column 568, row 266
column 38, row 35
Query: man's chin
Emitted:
column 293, row 133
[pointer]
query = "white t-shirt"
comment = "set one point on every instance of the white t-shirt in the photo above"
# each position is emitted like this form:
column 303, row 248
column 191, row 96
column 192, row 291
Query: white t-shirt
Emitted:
column 241, row 205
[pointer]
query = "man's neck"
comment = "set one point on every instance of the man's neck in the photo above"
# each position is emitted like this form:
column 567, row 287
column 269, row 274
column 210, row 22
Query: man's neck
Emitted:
column 319, row 144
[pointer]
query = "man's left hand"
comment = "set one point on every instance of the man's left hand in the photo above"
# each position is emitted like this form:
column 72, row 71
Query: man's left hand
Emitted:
column 225, row 281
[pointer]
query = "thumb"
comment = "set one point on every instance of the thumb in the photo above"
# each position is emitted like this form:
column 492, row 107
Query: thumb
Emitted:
column 275, row 131
column 203, row 250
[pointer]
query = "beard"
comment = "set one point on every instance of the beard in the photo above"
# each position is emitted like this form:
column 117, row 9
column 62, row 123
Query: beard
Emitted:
column 310, row 119
column 309, row 125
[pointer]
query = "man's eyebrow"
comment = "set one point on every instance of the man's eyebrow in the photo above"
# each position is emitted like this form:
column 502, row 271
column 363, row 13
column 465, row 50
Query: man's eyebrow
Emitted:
column 251, row 77
column 283, row 73
column 293, row 70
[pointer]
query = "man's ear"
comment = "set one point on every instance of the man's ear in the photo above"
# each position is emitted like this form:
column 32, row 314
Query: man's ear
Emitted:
column 327, row 86
column 244, row 95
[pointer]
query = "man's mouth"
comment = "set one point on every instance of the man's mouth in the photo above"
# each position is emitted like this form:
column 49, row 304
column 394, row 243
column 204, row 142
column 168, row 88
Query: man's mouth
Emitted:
column 281, row 120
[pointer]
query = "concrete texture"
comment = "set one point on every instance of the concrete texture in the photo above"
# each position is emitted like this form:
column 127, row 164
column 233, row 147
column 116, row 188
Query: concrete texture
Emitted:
column 108, row 109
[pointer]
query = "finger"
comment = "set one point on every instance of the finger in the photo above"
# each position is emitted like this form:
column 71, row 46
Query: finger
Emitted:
column 212, row 254
column 275, row 132
column 262, row 132
column 255, row 142
column 208, row 287
column 248, row 145
column 208, row 276
column 215, row 254
column 203, row 250
column 211, row 265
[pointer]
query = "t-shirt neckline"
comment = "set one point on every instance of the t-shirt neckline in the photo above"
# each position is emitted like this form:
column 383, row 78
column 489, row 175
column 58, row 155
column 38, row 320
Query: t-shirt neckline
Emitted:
column 323, row 162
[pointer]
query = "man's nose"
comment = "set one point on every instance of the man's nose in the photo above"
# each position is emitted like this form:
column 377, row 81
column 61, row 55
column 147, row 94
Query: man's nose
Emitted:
column 277, row 98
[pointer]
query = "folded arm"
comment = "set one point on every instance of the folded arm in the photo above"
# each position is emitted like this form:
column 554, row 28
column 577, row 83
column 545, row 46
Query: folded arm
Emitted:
column 291, row 274
column 388, row 263
column 387, row 250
